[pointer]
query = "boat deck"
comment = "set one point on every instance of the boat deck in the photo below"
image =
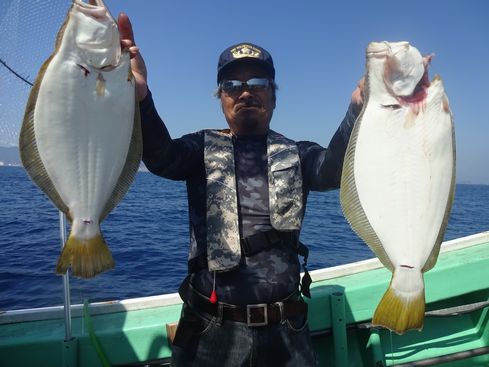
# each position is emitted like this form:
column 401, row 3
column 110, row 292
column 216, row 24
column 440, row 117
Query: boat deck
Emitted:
column 344, row 298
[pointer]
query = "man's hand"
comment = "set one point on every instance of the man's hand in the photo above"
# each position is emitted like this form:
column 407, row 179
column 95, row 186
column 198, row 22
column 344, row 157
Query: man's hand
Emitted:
column 357, row 96
column 137, row 63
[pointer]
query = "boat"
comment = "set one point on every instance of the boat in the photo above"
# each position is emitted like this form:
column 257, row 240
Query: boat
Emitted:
column 137, row 332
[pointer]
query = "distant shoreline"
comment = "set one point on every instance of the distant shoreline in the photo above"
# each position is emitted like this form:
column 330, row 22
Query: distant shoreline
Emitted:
column 144, row 169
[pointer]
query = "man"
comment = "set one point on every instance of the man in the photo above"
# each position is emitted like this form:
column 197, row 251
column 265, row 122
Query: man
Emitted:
column 247, row 188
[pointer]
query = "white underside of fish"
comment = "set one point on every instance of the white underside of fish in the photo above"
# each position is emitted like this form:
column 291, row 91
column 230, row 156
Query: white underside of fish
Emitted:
column 399, row 176
column 80, row 140
column 403, row 172
column 82, row 137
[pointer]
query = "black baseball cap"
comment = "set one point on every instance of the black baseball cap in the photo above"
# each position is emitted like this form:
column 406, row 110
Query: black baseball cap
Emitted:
column 243, row 53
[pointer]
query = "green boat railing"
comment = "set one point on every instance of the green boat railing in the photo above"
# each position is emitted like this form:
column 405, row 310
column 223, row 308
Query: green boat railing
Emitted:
column 134, row 332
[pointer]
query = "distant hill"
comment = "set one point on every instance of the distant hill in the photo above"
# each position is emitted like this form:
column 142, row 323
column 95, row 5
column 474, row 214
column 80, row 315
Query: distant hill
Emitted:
column 9, row 156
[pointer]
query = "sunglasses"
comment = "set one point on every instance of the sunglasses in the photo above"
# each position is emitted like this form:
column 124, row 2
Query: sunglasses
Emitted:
column 256, row 84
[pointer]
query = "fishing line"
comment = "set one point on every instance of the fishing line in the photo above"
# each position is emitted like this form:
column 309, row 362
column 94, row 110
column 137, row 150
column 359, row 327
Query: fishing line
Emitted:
column 28, row 31
column 15, row 73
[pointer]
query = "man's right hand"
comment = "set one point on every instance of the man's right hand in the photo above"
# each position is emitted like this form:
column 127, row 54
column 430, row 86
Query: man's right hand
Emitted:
column 357, row 97
column 137, row 63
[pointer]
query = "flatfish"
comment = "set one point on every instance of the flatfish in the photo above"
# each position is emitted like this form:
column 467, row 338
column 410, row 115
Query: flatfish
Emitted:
column 398, row 176
column 80, row 140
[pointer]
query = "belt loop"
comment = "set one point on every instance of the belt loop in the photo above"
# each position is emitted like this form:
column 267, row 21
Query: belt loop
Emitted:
column 282, row 313
column 220, row 313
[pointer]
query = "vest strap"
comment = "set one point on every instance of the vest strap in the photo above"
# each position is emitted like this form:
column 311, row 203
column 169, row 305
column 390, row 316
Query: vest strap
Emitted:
column 259, row 241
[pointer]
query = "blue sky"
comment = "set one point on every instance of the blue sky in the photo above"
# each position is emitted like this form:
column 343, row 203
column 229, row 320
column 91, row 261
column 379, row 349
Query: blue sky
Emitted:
column 319, row 51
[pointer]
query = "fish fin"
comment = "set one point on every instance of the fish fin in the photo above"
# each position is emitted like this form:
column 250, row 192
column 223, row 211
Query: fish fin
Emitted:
column 87, row 258
column 403, row 304
column 350, row 201
column 128, row 173
column 61, row 32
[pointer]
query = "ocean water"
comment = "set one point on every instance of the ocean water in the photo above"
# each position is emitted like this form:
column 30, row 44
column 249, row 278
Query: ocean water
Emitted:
column 148, row 236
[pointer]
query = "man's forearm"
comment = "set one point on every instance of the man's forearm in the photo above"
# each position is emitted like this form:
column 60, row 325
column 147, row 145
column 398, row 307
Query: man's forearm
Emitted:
column 156, row 138
column 323, row 166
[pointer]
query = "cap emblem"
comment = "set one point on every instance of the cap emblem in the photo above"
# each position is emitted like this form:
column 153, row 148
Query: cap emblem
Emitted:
column 245, row 51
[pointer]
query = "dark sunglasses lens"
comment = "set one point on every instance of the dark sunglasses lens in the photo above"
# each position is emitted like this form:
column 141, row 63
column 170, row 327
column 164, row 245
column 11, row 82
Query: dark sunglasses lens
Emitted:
column 237, row 85
column 231, row 85
column 257, row 83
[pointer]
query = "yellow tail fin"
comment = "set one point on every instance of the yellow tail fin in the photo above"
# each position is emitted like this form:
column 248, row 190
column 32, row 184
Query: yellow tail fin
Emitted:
column 403, row 304
column 87, row 258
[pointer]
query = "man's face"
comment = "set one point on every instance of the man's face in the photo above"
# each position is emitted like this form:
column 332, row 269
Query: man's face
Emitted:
column 247, row 111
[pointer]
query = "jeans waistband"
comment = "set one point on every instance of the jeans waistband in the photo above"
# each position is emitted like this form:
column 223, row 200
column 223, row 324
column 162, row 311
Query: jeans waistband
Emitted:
column 253, row 315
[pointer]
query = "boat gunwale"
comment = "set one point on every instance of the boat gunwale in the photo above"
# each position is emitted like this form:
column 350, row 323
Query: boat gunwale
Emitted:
column 172, row 299
column 374, row 263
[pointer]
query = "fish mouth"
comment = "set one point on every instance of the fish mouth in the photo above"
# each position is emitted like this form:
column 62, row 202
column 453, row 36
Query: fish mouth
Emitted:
column 100, row 40
column 405, row 71
column 94, row 8
column 420, row 91
column 90, row 4
column 384, row 48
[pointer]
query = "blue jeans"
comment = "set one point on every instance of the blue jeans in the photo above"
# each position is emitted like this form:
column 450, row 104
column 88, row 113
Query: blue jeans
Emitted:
column 205, row 341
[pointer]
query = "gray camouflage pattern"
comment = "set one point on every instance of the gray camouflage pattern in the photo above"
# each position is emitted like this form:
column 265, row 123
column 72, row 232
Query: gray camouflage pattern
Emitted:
column 223, row 246
column 285, row 194
column 285, row 183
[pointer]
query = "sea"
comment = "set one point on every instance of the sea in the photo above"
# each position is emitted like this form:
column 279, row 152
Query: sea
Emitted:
column 148, row 236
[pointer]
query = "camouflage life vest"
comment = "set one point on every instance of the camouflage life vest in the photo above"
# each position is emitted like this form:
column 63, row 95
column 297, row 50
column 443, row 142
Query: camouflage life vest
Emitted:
column 285, row 194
